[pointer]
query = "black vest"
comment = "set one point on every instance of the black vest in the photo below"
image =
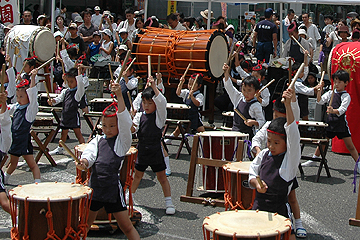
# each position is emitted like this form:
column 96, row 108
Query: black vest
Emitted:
column 238, row 122
column 194, row 110
column 20, row 129
column 70, row 116
column 336, row 123
column 295, row 51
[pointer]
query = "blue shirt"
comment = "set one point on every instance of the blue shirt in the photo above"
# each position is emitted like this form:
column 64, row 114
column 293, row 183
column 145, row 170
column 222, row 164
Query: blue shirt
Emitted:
column 265, row 30
column 94, row 49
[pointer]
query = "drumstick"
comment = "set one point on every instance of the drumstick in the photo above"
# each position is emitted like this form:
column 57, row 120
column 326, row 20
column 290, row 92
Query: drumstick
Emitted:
column 240, row 115
column 290, row 69
column 130, row 100
column 291, row 85
column 111, row 74
column 192, row 87
column 46, row 63
column 124, row 65
column 159, row 61
column 300, row 45
column 231, row 52
column 267, row 85
column 67, row 30
column 186, row 71
column 132, row 62
column 3, row 77
column 47, row 90
column 149, row 66
column 259, row 181
column 58, row 50
column 69, row 151
column 332, row 96
column 233, row 55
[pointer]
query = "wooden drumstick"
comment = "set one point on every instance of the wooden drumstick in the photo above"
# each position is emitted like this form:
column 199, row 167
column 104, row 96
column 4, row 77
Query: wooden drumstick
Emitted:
column 233, row 55
column 266, row 86
column 292, row 84
column 47, row 90
column 45, row 63
column 240, row 115
column 332, row 96
column 159, row 61
column 58, row 50
column 61, row 142
column 111, row 74
column 300, row 45
column 192, row 87
column 130, row 100
column 149, row 66
column 290, row 69
column 231, row 52
column 259, row 181
column 3, row 77
column 123, row 66
column 132, row 62
column 186, row 71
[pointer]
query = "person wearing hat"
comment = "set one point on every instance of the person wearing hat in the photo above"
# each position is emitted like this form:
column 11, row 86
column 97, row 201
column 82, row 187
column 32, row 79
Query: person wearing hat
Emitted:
column 291, row 48
column 205, row 15
column 78, row 20
column 41, row 20
column 128, row 24
column 76, row 39
column 335, row 38
column 140, row 14
column 303, row 34
column 87, row 29
column 106, row 45
column 266, row 34
column 174, row 23
column 125, row 38
column 355, row 24
column 107, row 22
column 312, row 31
column 96, row 17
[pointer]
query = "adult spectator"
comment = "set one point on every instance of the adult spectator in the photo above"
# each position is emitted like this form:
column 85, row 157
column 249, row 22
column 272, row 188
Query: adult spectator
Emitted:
column 78, row 20
column 107, row 22
column 96, row 17
column 41, row 20
column 75, row 13
column 87, row 29
column 76, row 39
column 334, row 37
column 59, row 24
column 276, row 20
column 174, row 23
column 266, row 34
column 26, row 18
column 198, row 24
column 291, row 48
column 205, row 15
column 286, row 22
column 312, row 30
column 61, row 11
column 129, row 24
column 139, row 25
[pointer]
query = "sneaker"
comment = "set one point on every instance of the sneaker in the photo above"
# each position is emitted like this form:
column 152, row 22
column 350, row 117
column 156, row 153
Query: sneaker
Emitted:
column 167, row 141
column 300, row 233
column 57, row 151
column 168, row 172
column 309, row 163
column 170, row 210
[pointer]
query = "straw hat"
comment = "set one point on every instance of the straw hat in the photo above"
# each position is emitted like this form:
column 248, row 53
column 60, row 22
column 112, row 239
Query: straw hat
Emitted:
column 205, row 14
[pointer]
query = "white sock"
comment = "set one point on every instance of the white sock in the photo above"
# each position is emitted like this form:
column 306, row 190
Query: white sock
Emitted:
column 314, row 156
column 167, row 162
column 168, row 201
column 298, row 223
column 37, row 180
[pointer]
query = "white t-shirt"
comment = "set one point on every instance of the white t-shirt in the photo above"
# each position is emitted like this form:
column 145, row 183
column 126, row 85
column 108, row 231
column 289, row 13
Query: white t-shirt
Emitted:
column 130, row 28
column 95, row 19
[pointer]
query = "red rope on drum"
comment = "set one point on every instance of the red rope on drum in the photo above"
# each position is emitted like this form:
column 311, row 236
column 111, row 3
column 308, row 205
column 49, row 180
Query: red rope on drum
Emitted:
column 206, row 236
column 278, row 237
column 51, row 233
column 26, row 206
column 69, row 230
column 214, row 234
column 129, row 181
column 84, row 215
column 13, row 212
column 234, row 236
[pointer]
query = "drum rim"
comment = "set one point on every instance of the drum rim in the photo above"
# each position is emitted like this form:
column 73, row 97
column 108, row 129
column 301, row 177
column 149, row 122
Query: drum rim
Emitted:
column 312, row 123
column 86, row 191
column 183, row 106
column 233, row 170
column 207, row 66
column 218, row 134
column 208, row 220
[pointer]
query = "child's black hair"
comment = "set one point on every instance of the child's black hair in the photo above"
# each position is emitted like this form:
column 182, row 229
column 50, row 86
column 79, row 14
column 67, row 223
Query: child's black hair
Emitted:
column 31, row 62
column 279, row 106
column 341, row 75
column 251, row 81
column 262, row 71
column 200, row 78
column 72, row 52
column 277, row 125
column 110, row 111
column 148, row 93
column 246, row 64
column 73, row 72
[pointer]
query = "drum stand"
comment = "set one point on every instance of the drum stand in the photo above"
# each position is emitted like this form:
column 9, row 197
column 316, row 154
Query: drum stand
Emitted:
column 321, row 143
column 54, row 111
column 94, row 127
column 42, row 147
column 194, row 160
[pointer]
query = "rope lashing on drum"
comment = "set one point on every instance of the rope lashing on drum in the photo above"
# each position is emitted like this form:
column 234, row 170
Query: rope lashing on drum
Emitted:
column 26, row 231
column 206, row 236
column 129, row 181
column 355, row 173
column 84, row 207
column 51, row 232
column 69, row 230
column 13, row 212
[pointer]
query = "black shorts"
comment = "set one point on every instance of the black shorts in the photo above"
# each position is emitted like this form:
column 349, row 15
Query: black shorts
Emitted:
column 109, row 207
column 195, row 121
column 295, row 184
column 339, row 135
column 154, row 167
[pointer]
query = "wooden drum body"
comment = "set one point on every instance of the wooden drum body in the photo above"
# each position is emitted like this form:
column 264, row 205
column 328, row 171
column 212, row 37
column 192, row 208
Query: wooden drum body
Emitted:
column 312, row 129
column 205, row 50
column 246, row 225
column 220, row 145
column 99, row 104
column 50, row 208
column 177, row 111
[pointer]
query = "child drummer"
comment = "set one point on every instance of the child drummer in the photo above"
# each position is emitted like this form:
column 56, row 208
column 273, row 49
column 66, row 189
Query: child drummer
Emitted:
column 105, row 155
column 193, row 98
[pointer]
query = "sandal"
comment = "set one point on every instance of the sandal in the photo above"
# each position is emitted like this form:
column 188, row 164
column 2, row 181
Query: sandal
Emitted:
column 170, row 210
column 301, row 233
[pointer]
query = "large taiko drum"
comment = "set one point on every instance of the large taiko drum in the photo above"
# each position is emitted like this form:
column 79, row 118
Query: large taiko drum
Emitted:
column 25, row 40
column 50, row 209
column 220, row 145
column 346, row 56
column 238, row 194
column 246, row 224
column 206, row 51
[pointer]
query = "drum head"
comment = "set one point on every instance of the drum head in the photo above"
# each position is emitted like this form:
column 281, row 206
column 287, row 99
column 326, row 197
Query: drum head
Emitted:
column 241, row 167
column 247, row 224
column 312, row 123
column 222, row 134
column 56, row 192
column 217, row 54
column 44, row 45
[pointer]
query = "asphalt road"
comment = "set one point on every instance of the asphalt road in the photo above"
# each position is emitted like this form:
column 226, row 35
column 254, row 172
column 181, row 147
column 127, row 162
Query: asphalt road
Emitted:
column 325, row 206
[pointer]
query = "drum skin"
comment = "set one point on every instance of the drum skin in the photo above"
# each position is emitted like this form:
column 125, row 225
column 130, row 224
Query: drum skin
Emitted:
column 346, row 56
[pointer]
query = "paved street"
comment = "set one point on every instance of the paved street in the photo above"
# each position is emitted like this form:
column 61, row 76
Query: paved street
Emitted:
column 326, row 206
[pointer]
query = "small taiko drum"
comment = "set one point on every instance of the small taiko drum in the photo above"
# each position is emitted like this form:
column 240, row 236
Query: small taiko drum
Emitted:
column 53, row 210
column 238, row 194
column 43, row 97
column 312, row 129
column 43, row 120
column 246, row 224
column 219, row 145
column 228, row 119
column 99, row 104
column 177, row 111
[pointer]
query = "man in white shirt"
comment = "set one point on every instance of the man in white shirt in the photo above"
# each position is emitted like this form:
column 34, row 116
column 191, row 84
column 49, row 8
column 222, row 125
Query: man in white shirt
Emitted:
column 312, row 30
column 129, row 24
column 174, row 23
column 96, row 17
